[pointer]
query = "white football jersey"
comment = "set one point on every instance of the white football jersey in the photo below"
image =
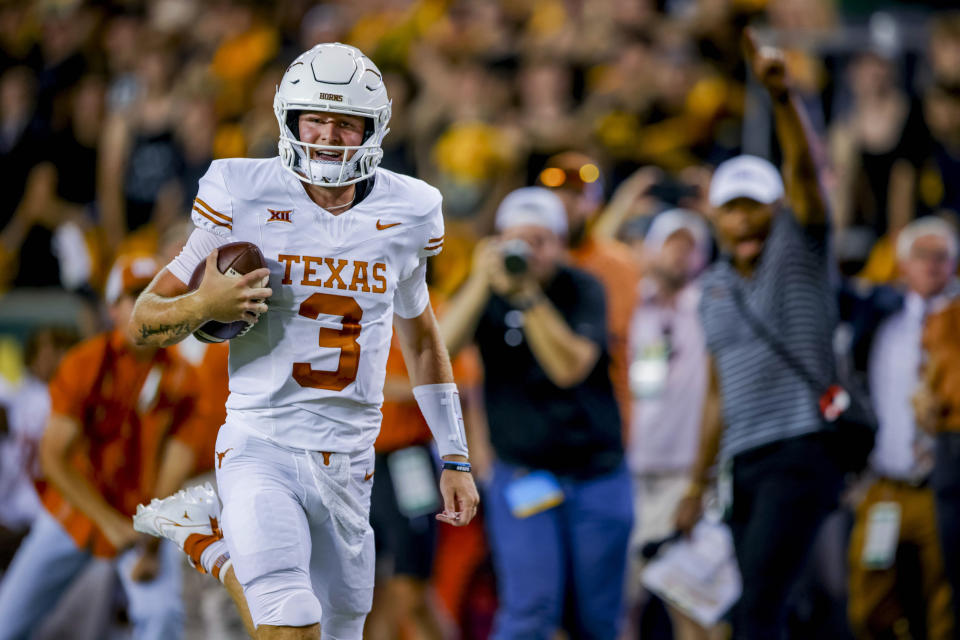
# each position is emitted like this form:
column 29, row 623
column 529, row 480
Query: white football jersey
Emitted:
column 310, row 373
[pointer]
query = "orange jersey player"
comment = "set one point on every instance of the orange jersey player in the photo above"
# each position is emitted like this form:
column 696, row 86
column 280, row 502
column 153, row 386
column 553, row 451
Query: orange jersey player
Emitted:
column 123, row 428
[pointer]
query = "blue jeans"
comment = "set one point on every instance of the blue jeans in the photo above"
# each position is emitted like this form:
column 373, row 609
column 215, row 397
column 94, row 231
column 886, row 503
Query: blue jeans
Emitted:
column 579, row 546
column 48, row 561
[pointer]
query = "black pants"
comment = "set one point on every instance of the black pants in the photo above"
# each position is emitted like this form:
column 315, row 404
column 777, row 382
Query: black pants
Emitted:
column 946, row 492
column 781, row 494
column 409, row 541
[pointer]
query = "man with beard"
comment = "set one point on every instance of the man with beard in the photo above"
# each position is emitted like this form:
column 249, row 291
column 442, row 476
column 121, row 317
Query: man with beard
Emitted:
column 760, row 414
column 668, row 384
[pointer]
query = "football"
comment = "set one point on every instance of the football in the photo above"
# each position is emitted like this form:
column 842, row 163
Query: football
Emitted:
column 235, row 259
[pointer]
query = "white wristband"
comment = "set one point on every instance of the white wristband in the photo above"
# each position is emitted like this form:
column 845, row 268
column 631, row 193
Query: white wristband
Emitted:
column 440, row 406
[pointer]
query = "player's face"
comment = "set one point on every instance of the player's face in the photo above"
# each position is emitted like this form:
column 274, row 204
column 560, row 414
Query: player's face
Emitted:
column 333, row 129
column 742, row 226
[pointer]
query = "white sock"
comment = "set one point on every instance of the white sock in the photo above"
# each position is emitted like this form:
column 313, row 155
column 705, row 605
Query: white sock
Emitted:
column 216, row 556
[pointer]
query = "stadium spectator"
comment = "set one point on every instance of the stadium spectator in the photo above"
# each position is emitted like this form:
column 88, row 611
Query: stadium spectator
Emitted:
column 483, row 92
column 403, row 502
column 576, row 179
column 944, row 50
column 938, row 181
column 889, row 333
column 668, row 382
column 775, row 280
column 139, row 161
column 122, row 429
column 937, row 405
column 21, row 132
column 870, row 146
column 558, row 502
column 24, row 409
column 52, row 230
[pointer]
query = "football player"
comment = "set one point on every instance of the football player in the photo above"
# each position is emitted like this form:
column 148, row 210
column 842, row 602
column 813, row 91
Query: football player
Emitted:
column 346, row 244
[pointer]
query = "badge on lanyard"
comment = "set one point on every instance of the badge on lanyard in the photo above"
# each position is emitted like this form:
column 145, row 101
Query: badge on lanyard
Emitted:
column 414, row 483
column 650, row 368
column 883, row 534
column 535, row 492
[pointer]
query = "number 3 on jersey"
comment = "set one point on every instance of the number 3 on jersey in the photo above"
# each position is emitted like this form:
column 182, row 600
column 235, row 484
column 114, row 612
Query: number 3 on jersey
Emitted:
column 344, row 339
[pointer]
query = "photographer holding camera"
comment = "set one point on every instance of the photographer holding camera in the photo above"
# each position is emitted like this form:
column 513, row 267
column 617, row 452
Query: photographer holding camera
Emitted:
column 558, row 499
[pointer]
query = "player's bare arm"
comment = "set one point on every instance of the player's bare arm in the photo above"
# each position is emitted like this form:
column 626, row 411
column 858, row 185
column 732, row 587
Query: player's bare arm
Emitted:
column 167, row 311
column 428, row 364
column 801, row 178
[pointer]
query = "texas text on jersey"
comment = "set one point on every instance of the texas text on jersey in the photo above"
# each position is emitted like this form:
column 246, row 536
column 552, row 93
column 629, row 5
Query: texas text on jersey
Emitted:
column 310, row 374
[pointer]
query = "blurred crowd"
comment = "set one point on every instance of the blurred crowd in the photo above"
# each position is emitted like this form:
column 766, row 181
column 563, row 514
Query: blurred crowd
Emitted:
column 110, row 112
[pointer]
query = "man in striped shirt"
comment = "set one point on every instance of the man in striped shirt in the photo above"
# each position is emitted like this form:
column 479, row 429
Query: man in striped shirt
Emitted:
column 760, row 415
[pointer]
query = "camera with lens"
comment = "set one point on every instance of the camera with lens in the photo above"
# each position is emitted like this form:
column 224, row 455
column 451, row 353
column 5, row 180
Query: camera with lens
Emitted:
column 516, row 256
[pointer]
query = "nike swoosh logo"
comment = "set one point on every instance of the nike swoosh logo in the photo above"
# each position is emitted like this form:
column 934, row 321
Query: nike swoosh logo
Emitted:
column 381, row 227
column 367, row 476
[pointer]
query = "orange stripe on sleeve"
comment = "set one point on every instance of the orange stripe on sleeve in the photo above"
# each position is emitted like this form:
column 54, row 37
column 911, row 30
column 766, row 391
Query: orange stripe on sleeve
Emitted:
column 212, row 219
column 213, row 211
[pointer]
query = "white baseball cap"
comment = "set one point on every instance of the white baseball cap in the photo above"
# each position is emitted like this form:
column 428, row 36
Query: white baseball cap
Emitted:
column 534, row 206
column 669, row 222
column 130, row 274
column 745, row 177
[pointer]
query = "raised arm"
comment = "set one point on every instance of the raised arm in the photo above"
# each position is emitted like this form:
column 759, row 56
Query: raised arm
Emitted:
column 794, row 133
column 167, row 312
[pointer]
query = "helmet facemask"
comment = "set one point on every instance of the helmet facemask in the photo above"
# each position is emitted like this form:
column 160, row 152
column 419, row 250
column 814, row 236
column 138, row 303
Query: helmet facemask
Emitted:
column 337, row 79
column 298, row 156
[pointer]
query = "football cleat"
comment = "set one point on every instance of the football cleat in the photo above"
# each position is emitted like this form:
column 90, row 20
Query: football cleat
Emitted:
column 190, row 518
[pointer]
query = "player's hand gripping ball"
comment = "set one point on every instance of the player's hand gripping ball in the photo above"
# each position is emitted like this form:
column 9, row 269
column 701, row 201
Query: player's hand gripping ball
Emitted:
column 234, row 260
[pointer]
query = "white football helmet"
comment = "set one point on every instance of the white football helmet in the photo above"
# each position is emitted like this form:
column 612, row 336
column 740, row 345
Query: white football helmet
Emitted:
column 337, row 78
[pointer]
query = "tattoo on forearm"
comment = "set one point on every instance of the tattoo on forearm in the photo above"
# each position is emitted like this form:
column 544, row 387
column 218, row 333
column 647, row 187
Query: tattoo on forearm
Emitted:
column 174, row 331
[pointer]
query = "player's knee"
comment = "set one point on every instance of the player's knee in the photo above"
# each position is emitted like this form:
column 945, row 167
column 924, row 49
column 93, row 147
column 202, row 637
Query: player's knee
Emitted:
column 300, row 609
column 343, row 626
column 283, row 599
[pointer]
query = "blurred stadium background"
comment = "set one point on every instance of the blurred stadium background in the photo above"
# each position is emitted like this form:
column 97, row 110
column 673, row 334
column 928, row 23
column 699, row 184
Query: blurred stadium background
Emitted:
column 111, row 111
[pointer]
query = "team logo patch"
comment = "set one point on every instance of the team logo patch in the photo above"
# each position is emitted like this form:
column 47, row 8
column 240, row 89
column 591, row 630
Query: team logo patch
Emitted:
column 280, row 216
column 220, row 457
